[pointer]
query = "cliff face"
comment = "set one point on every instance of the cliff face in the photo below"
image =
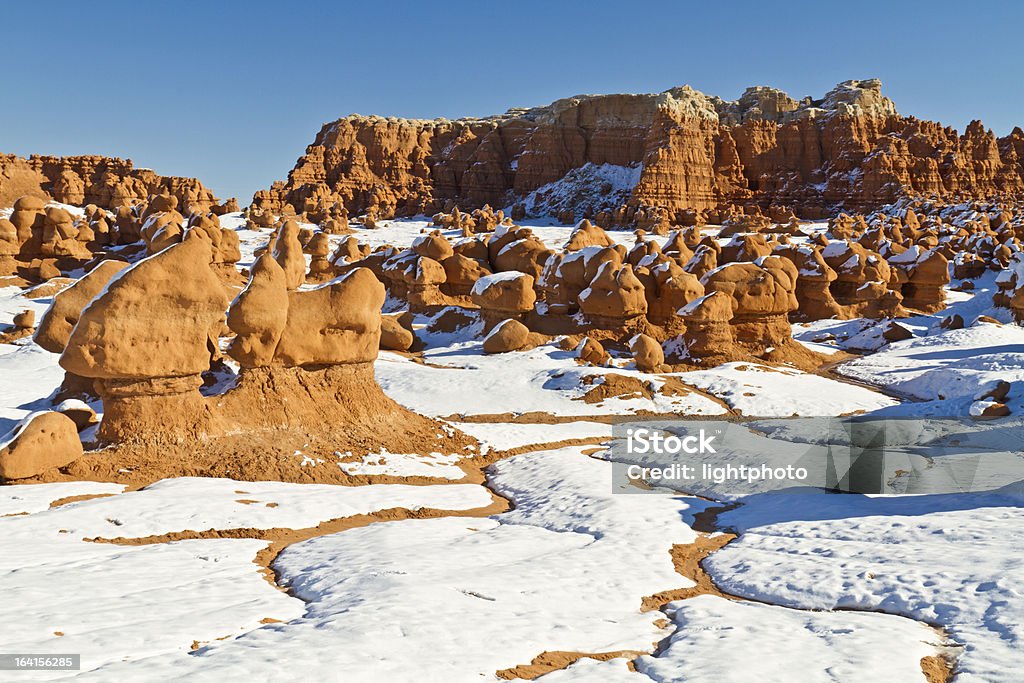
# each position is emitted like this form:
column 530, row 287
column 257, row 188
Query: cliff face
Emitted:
column 107, row 182
column 850, row 150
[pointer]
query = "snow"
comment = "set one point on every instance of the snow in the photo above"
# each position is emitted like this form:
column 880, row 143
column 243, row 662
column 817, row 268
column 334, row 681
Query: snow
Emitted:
column 543, row 379
column 228, row 504
column 115, row 603
column 723, row 640
column 30, row 374
column 458, row 599
column 30, row 498
column 948, row 364
column 946, row 559
column 766, row 391
column 504, row 436
column 434, row 465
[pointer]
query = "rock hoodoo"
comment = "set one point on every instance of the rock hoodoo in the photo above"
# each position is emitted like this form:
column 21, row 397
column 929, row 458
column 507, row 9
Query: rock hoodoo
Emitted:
column 306, row 360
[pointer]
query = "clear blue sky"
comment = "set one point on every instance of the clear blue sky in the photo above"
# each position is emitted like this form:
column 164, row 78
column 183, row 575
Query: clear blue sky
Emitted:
column 232, row 92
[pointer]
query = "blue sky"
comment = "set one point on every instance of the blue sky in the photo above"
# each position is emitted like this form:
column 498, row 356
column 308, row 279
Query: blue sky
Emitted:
column 232, row 92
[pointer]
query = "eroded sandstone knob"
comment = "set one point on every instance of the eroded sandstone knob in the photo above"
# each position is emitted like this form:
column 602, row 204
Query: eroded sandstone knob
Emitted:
column 41, row 442
column 157, row 319
column 60, row 318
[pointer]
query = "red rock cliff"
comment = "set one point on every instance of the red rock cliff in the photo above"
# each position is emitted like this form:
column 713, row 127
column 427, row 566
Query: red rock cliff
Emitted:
column 107, row 182
column 849, row 150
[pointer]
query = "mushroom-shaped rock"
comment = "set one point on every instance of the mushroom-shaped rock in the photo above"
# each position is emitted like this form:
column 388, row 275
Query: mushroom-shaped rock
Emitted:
column 564, row 277
column 504, row 295
column 586, row 234
column 432, row 245
column 461, row 273
column 708, row 336
column 669, row 288
column 614, row 295
column 927, row 274
column 763, row 296
column 814, row 276
column 348, row 251
column 61, row 317
column 40, row 442
column 508, row 335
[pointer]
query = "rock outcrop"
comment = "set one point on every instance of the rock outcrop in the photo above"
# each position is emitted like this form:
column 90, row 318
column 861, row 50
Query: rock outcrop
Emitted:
column 107, row 182
column 683, row 155
column 152, row 336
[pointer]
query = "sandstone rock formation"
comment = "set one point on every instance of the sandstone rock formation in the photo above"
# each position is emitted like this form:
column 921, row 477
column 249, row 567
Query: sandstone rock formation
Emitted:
column 647, row 353
column 55, row 327
column 614, row 297
column 306, row 365
column 502, row 296
column 708, row 338
column 394, row 336
column 694, row 155
column 147, row 339
column 40, row 442
column 508, row 335
column 104, row 181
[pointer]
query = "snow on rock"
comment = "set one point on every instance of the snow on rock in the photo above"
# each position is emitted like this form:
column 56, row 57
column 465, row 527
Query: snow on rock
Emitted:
column 606, row 186
column 488, row 281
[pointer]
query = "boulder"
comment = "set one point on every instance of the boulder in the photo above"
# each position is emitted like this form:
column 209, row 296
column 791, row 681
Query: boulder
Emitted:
column 40, row 442
column 157, row 319
column 647, row 353
column 508, row 335
column 394, row 336
column 336, row 323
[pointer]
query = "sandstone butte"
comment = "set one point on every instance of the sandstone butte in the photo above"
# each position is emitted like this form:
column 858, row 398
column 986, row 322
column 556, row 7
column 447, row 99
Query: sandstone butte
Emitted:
column 107, row 182
column 850, row 150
